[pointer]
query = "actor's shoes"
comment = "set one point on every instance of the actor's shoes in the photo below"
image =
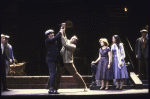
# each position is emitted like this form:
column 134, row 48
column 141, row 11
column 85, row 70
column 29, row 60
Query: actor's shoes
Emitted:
column 106, row 88
column 6, row 89
column 120, row 88
column 85, row 89
column 117, row 88
column 51, row 91
column 55, row 92
column 102, row 88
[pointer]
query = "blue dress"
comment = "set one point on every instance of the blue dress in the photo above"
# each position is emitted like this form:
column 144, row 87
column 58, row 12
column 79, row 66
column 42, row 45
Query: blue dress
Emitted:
column 119, row 73
column 102, row 73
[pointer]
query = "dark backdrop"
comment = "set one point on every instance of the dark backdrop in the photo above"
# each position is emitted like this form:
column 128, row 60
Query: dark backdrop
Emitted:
column 26, row 21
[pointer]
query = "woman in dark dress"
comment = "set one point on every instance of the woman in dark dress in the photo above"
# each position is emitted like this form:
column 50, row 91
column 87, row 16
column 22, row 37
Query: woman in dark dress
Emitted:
column 104, row 70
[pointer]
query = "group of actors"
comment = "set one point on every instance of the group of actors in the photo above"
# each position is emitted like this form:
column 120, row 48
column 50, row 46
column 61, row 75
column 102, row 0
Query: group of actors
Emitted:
column 7, row 58
column 111, row 63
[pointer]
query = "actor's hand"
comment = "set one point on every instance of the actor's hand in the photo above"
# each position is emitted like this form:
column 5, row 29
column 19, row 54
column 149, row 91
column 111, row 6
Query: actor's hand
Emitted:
column 10, row 60
column 93, row 62
column 120, row 63
column 63, row 25
column 62, row 31
column 108, row 67
column 14, row 65
column 136, row 56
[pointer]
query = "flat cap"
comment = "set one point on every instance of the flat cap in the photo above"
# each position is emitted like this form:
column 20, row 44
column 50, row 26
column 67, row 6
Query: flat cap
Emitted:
column 49, row 31
column 144, row 30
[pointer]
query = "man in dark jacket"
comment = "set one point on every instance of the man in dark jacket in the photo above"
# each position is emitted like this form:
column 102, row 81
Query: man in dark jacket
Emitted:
column 52, row 54
column 3, row 58
column 141, row 52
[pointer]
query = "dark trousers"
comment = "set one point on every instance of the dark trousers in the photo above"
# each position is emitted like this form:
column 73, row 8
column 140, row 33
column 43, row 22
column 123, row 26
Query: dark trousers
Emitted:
column 143, row 65
column 93, row 76
column 71, row 68
column 52, row 73
column 3, row 75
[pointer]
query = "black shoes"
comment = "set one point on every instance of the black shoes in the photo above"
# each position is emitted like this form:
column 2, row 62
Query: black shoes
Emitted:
column 52, row 91
column 55, row 92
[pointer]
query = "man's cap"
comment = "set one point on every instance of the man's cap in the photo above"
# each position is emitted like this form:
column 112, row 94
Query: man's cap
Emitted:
column 49, row 31
column 6, row 36
column 143, row 30
column 2, row 35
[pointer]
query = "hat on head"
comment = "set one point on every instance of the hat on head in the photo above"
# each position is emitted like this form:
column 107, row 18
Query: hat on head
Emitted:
column 2, row 35
column 143, row 30
column 6, row 36
column 49, row 31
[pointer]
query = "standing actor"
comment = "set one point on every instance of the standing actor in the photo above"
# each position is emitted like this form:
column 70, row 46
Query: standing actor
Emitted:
column 67, row 54
column 118, row 62
column 104, row 70
column 52, row 54
column 3, row 58
column 141, row 52
column 9, row 53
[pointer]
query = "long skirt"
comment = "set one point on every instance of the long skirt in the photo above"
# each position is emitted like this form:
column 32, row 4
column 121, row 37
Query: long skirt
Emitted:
column 102, row 73
column 119, row 73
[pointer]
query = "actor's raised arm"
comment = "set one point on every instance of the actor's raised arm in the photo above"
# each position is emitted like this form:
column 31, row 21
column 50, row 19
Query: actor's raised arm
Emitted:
column 48, row 40
column 67, row 45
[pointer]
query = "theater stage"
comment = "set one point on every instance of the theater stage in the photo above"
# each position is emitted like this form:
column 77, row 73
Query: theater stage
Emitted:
column 75, row 93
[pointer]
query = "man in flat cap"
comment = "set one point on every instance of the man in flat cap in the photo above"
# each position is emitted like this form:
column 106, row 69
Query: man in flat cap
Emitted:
column 9, row 53
column 141, row 52
column 51, row 58
column 3, row 58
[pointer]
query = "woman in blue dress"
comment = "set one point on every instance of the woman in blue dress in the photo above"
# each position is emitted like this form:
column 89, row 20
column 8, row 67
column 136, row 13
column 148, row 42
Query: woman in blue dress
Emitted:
column 118, row 62
column 104, row 70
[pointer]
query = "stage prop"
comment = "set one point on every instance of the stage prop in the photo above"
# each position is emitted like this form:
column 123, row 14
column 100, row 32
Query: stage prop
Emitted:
column 18, row 70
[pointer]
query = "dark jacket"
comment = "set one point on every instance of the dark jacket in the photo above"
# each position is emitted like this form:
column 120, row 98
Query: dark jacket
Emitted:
column 3, row 58
column 138, row 48
column 51, row 44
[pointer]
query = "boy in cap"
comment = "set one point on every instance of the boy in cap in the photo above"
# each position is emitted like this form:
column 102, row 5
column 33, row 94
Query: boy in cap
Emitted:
column 52, row 55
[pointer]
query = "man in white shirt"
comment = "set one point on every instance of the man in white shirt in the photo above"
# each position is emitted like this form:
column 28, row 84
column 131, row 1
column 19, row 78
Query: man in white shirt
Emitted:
column 3, row 58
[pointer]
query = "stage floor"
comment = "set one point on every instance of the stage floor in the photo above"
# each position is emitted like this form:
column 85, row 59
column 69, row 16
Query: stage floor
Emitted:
column 74, row 92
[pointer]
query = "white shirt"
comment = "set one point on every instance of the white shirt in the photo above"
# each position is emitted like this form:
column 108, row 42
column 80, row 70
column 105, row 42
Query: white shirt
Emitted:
column 2, row 47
